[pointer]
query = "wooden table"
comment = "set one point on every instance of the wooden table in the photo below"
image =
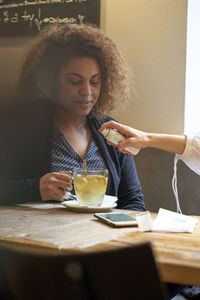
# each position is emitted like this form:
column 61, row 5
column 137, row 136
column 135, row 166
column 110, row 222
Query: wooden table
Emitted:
column 58, row 229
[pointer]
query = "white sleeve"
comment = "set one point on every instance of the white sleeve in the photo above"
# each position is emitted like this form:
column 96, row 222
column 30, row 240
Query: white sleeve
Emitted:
column 191, row 154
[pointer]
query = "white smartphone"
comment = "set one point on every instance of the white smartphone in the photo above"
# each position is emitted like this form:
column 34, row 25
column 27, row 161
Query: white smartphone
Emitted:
column 116, row 219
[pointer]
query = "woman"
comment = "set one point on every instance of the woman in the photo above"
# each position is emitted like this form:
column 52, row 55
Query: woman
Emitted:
column 71, row 76
column 187, row 148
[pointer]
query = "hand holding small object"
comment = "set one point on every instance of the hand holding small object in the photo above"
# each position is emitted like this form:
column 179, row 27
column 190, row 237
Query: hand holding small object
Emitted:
column 117, row 138
column 140, row 139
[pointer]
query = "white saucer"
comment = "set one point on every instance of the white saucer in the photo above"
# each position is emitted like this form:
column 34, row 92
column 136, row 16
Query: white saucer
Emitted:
column 108, row 204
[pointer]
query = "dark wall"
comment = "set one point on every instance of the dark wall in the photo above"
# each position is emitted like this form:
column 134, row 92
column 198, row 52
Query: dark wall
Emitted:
column 11, row 57
column 155, row 171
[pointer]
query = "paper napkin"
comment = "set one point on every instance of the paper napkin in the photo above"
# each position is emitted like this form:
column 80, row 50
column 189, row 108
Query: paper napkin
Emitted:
column 173, row 222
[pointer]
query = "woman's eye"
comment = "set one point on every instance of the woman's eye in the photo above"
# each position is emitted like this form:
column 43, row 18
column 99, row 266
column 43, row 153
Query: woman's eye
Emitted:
column 95, row 82
column 74, row 82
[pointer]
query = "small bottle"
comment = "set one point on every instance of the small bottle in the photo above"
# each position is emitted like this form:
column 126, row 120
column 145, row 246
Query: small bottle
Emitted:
column 114, row 137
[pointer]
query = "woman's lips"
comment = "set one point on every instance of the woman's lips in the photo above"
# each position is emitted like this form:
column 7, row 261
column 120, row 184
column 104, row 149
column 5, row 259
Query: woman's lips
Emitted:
column 85, row 104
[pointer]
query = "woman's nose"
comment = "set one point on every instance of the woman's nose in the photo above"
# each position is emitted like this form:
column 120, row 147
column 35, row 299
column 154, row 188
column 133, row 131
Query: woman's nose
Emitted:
column 86, row 89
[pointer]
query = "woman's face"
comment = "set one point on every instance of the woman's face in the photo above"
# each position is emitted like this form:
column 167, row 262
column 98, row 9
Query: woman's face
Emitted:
column 78, row 85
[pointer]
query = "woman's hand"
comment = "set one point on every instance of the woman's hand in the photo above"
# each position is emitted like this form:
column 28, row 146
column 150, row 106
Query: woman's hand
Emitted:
column 53, row 185
column 134, row 138
column 140, row 139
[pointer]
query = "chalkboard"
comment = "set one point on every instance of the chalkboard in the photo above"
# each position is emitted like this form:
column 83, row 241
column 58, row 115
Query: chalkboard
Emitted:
column 28, row 17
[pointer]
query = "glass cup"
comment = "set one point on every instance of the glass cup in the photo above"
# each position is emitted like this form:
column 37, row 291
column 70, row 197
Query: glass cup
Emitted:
column 90, row 187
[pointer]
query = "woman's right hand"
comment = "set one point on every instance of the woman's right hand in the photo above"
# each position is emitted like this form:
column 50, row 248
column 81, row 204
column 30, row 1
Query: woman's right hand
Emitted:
column 134, row 138
column 53, row 185
column 140, row 139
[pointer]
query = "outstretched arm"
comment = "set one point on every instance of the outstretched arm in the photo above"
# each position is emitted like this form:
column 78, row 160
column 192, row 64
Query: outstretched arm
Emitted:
column 140, row 139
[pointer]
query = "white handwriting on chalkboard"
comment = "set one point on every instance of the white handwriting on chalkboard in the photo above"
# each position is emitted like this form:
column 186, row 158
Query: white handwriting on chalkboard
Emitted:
column 36, row 2
column 13, row 19
column 37, row 20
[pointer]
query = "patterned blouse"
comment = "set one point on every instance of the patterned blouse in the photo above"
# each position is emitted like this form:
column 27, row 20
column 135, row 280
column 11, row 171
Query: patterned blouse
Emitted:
column 64, row 157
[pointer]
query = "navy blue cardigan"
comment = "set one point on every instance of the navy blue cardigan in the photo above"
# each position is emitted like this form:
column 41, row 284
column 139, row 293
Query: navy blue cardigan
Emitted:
column 25, row 157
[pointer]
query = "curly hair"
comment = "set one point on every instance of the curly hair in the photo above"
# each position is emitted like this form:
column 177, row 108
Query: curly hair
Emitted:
column 56, row 45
